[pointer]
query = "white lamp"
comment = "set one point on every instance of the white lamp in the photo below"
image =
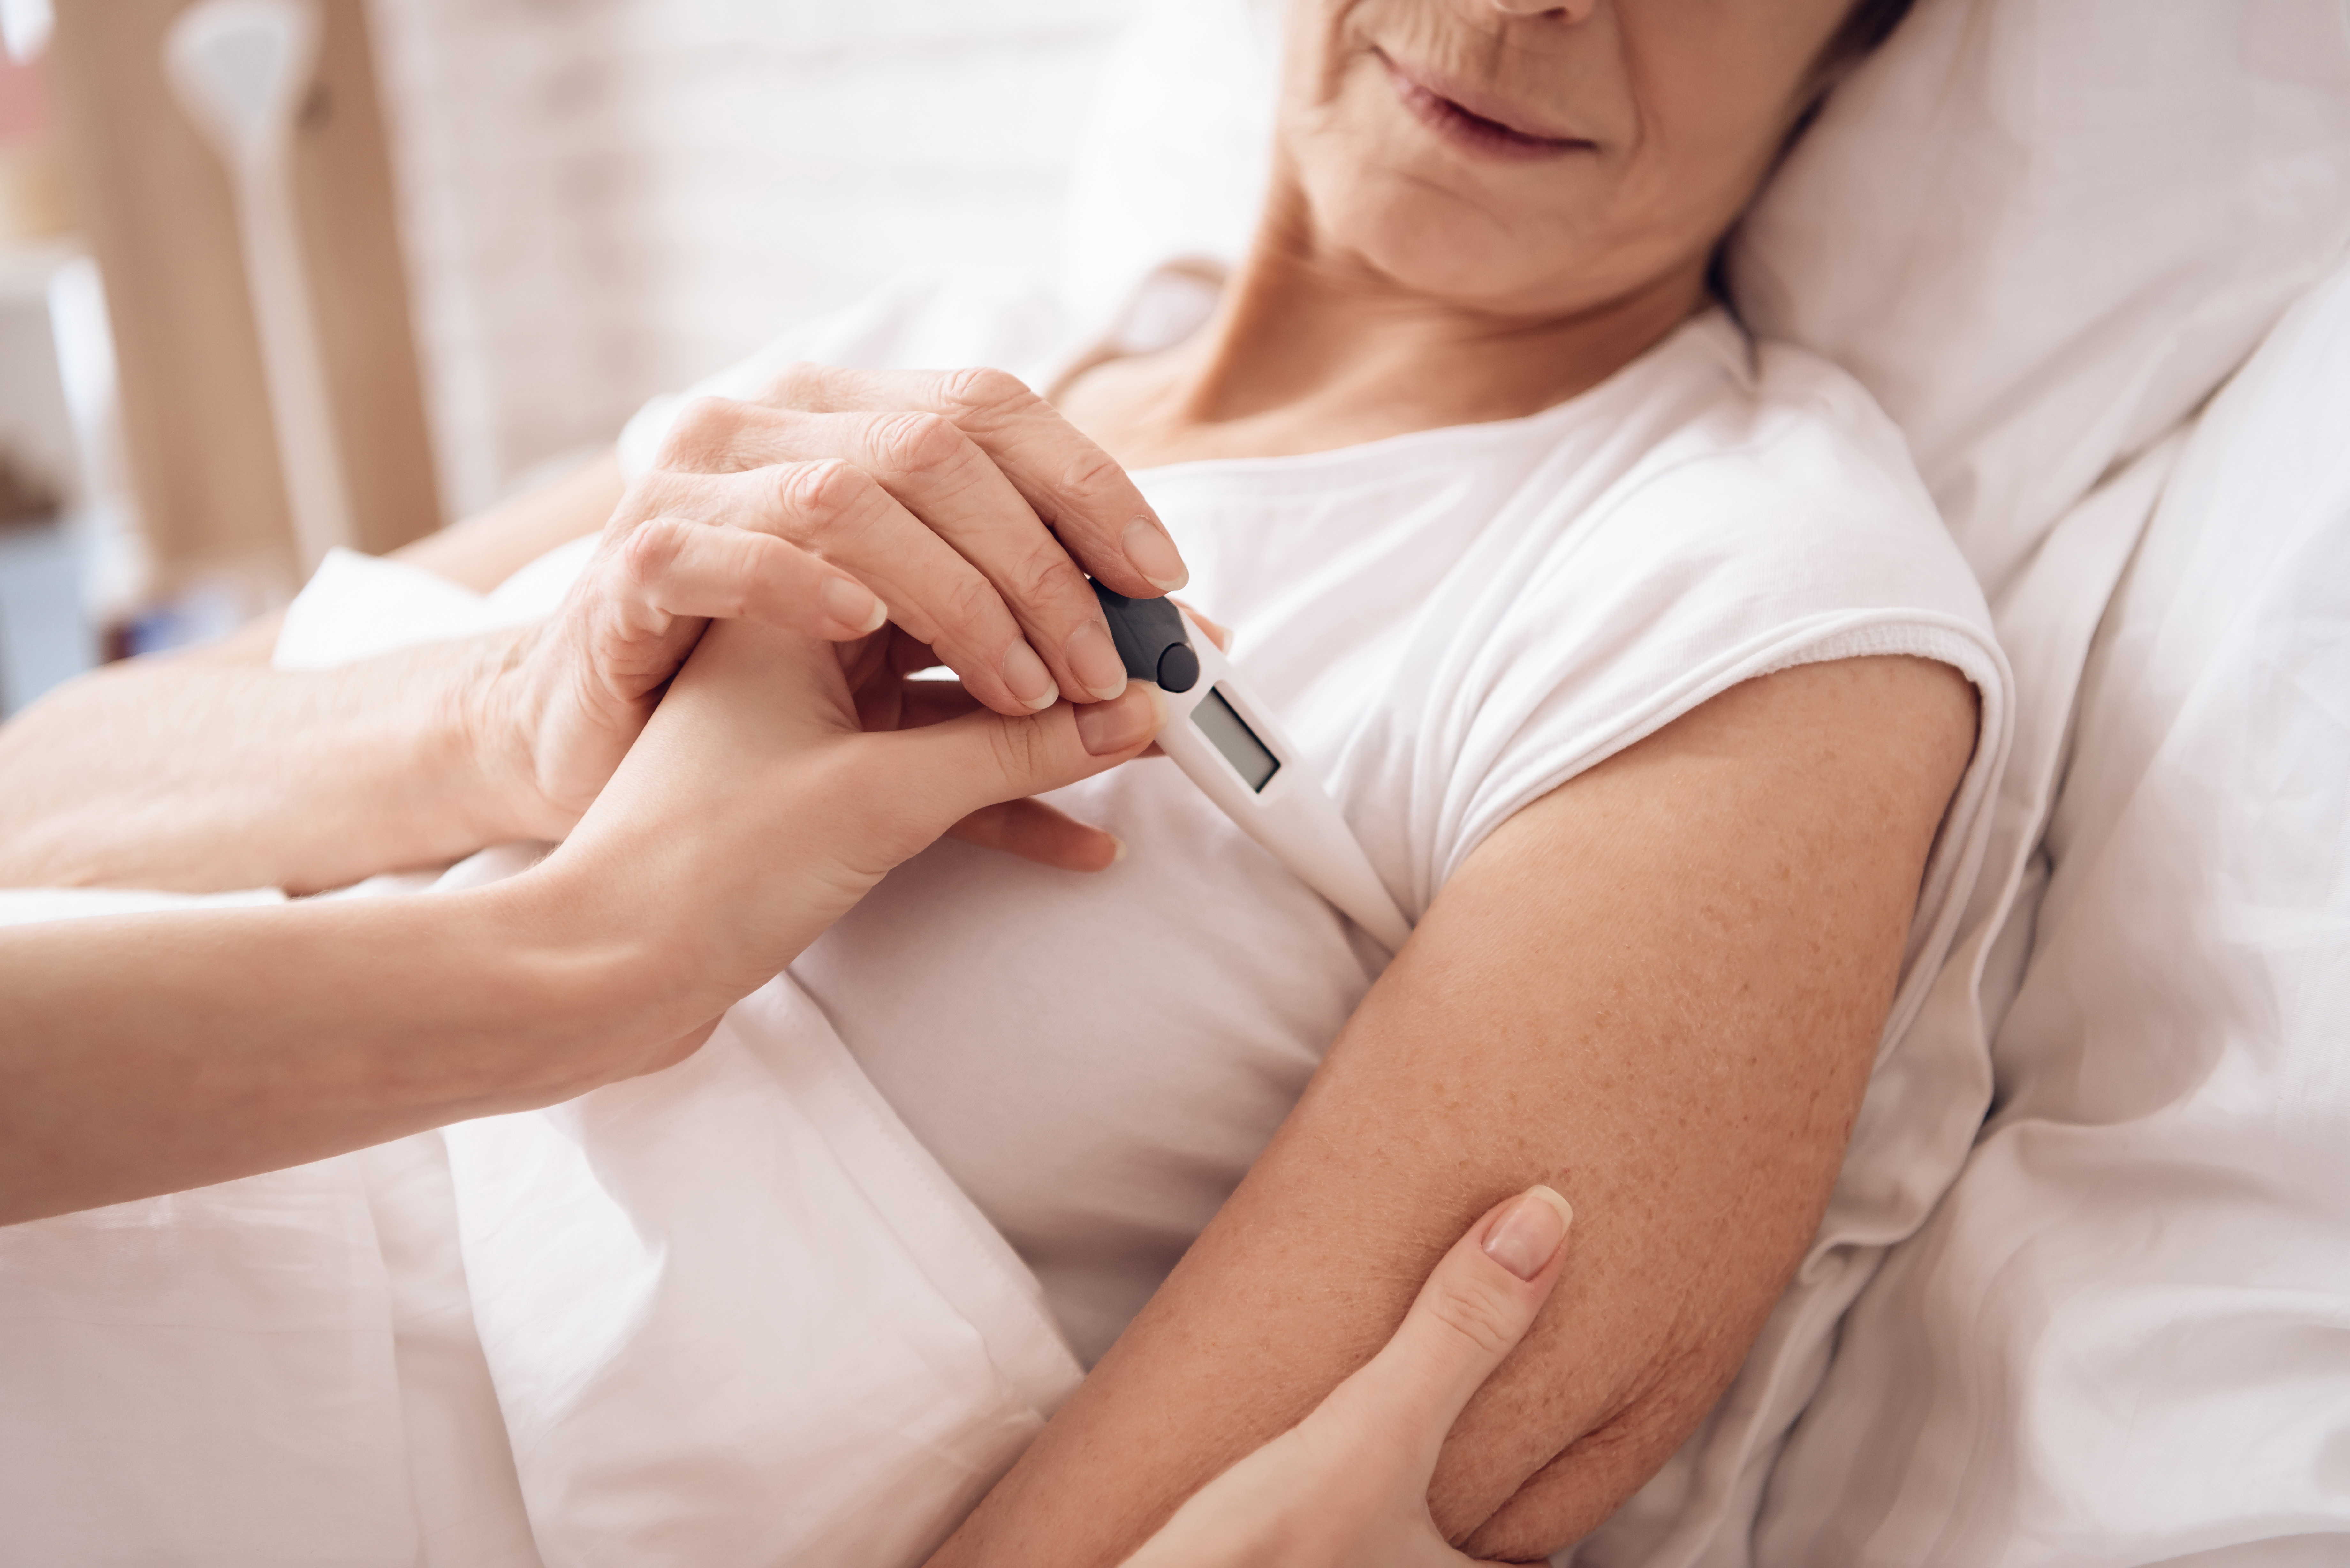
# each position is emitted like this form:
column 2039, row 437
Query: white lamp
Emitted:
column 240, row 69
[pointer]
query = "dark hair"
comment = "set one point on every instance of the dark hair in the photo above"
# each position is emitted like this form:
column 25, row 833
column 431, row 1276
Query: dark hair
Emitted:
column 1871, row 23
column 1867, row 25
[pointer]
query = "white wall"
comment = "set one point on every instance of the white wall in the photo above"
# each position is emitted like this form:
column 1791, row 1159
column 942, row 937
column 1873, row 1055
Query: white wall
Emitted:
column 602, row 198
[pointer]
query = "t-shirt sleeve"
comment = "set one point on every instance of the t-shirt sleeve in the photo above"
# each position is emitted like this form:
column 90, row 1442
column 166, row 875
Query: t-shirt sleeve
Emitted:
column 1706, row 569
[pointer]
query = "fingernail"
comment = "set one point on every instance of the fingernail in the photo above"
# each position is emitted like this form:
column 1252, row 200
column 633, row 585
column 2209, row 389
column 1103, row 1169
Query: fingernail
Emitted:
column 1093, row 657
column 1031, row 683
column 1526, row 1235
column 851, row 603
column 1150, row 552
column 1117, row 849
column 1107, row 727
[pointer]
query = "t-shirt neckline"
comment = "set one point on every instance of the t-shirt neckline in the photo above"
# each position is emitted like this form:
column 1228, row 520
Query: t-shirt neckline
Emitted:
column 1711, row 324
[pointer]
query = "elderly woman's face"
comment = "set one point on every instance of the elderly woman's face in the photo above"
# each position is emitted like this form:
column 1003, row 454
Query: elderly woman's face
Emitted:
column 1533, row 158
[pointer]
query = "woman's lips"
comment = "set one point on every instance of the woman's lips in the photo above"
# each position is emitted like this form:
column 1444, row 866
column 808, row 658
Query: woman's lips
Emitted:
column 1477, row 130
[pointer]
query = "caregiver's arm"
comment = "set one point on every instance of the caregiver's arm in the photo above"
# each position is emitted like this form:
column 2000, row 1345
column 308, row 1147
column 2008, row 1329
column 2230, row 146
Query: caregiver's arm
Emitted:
column 1659, row 990
column 146, row 1053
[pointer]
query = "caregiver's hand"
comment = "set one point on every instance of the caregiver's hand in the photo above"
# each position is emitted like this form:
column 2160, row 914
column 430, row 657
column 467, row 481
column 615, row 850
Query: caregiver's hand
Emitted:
column 759, row 806
column 149, row 1052
column 961, row 499
column 1347, row 1486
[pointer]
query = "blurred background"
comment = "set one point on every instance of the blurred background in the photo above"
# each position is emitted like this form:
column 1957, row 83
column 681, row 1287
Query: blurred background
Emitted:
column 511, row 222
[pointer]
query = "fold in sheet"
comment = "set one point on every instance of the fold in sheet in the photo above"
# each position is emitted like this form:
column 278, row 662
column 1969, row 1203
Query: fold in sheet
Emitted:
column 738, row 1278
column 205, row 1379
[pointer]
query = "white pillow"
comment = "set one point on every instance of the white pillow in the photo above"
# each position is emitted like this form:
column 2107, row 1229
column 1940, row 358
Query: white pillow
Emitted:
column 1171, row 158
column 2040, row 232
column 2124, row 1335
column 2043, row 231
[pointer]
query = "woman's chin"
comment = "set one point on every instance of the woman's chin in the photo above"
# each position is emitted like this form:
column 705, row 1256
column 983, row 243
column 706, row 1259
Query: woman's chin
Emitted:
column 1422, row 237
column 1439, row 253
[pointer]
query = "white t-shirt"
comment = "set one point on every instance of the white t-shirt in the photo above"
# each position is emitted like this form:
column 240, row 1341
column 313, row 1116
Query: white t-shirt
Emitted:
column 1451, row 623
column 740, row 1310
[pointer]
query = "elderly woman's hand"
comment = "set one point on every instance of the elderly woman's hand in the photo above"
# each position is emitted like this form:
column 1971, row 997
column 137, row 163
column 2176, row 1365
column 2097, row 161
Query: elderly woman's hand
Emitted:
column 147, row 1053
column 1349, row 1485
column 962, row 500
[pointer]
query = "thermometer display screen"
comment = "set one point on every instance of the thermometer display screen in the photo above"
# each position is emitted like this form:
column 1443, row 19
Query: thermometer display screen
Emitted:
column 1250, row 758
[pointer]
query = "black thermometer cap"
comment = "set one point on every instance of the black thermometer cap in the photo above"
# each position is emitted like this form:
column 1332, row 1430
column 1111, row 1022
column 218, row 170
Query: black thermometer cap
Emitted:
column 1150, row 641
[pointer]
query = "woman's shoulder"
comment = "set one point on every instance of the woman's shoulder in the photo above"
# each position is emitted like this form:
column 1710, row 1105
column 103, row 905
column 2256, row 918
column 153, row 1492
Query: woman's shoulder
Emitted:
column 1743, row 510
column 1755, row 451
column 1774, row 411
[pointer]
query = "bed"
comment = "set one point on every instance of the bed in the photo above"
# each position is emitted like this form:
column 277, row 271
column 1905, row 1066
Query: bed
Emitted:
column 2097, row 264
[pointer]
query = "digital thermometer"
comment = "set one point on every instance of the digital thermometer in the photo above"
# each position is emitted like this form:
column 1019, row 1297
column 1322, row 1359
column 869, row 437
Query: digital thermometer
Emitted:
column 1231, row 747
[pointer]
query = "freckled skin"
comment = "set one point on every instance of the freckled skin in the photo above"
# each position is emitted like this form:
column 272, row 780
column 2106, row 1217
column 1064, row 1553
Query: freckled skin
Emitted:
column 1658, row 990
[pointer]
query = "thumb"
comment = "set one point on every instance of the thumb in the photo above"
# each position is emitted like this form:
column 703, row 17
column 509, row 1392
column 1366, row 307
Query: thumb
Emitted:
column 1475, row 1308
column 983, row 757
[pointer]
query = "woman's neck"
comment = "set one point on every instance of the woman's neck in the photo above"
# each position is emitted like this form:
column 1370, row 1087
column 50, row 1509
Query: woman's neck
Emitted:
column 1307, row 352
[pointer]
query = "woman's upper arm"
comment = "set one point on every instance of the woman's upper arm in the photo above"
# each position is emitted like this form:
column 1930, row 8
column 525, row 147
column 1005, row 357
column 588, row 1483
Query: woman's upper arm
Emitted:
column 478, row 553
column 1659, row 990
column 490, row 546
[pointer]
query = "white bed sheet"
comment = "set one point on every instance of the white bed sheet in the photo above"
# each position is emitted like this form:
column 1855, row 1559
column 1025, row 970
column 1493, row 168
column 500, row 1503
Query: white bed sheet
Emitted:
column 2125, row 1336
column 359, row 1362
column 278, row 1370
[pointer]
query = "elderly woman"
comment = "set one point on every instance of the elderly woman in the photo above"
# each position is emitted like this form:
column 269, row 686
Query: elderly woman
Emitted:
column 1632, row 650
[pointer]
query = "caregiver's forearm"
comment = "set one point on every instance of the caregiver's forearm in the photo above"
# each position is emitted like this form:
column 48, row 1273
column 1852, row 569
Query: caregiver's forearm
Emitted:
column 1657, row 990
column 150, row 1054
column 201, row 774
